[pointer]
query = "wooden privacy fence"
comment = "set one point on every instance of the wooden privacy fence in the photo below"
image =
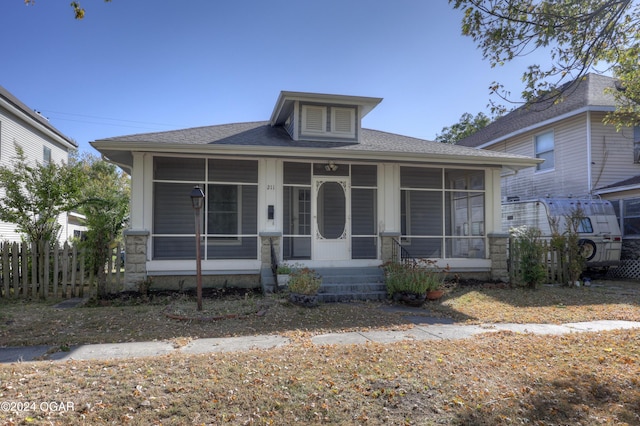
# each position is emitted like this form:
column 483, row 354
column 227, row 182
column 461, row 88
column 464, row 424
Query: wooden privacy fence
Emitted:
column 557, row 263
column 30, row 271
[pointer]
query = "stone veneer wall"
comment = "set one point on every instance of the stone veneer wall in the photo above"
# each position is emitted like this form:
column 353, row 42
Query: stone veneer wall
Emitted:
column 498, row 253
column 135, row 269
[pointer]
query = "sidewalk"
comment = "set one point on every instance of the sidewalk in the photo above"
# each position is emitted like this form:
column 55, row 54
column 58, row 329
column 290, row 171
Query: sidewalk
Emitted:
column 426, row 328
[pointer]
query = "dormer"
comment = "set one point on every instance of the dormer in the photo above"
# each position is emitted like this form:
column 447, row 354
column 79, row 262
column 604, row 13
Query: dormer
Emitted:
column 321, row 117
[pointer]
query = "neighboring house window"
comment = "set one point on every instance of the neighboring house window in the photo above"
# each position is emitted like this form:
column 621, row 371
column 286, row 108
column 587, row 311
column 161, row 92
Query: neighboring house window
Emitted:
column 630, row 219
column 314, row 119
column 46, row 156
column 544, row 149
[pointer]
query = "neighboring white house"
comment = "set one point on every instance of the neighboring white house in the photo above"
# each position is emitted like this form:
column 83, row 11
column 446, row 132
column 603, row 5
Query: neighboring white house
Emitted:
column 582, row 155
column 313, row 183
column 40, row 141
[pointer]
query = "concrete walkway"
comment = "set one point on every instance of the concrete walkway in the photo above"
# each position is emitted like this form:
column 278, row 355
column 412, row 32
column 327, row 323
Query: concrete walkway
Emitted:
column 425, row 328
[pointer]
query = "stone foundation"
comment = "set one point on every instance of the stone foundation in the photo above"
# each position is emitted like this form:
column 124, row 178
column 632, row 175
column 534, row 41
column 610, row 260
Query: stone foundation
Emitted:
column 188, row 282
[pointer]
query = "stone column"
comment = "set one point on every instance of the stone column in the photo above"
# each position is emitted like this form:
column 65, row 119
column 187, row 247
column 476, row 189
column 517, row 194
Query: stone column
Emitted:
column 135, row 263
column 266, row 275
column 498, row 253
column 389, row 252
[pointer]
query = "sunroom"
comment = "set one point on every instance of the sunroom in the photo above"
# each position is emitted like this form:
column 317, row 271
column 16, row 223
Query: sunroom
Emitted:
column 297, row 188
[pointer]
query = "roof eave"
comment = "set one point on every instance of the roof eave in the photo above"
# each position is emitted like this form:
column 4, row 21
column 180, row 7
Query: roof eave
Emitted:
column 26, row 115
column 111, row 149
column 589, row 108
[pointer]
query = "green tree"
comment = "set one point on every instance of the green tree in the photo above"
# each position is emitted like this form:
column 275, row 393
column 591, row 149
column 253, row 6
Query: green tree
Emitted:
column 78, row 10
column 35, row 195
column 106, row 208
column 466, row 126
column 579, row 36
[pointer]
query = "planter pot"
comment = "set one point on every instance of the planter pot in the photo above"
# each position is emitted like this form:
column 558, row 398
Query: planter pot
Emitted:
column 283, row 280
column 306, row 300
column 435, row 294
column 411, row 299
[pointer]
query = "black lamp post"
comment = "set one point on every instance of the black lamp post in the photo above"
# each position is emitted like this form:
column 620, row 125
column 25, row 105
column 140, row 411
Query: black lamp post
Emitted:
column 197, row 201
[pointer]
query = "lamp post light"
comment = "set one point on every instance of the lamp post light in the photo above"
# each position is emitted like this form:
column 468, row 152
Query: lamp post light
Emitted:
column 197, row 201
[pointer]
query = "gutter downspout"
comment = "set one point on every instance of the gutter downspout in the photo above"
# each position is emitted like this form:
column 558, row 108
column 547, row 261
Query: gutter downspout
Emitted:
column 589, row 158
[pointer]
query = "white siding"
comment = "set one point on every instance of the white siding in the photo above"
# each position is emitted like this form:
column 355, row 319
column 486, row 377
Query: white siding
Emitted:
column 569, row 176
column 612, row 153
column 13, row 130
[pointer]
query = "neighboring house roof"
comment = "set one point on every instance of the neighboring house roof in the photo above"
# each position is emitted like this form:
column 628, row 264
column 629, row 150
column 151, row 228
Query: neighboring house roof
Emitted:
column 261, row 138
column 587, row 94
column 13, row 103
column 623, row 185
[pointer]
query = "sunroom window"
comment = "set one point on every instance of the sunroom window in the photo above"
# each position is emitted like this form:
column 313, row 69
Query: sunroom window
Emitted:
column 229, row 219
column 442, row 212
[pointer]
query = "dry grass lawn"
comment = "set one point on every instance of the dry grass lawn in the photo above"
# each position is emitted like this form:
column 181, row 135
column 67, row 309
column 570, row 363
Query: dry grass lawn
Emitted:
column 491, row 379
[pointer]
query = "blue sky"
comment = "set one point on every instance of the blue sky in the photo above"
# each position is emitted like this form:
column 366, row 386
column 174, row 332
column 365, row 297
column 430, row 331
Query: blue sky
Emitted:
column 137, row 66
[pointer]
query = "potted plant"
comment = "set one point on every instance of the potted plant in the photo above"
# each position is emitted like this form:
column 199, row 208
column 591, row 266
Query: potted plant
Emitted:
column 304, row 284
column 415, row 281
column 283, row 272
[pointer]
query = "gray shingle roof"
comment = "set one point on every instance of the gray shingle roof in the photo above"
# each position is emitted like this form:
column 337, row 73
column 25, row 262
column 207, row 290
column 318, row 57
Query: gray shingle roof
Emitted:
column 5, row 94
column 632, row 181
column 589, row 92
column 262, row 135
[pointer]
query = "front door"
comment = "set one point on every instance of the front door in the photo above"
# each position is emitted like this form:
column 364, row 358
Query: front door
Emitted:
column 331, row 233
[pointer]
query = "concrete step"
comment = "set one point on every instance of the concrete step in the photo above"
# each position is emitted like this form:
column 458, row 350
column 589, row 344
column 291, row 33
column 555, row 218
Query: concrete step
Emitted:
column 347, row 297
column 351, row 275
column 345, row 284
column 347, row 287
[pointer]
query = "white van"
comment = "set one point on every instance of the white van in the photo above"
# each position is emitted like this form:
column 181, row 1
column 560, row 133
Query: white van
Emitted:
column 599, row 231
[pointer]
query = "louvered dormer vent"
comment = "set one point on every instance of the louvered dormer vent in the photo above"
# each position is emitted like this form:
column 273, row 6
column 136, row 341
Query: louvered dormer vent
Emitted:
column 314, row 120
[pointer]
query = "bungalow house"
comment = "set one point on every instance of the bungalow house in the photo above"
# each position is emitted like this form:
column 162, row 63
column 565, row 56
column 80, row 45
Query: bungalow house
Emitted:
column 583, row 157
column 308, row 186
column 41, row 142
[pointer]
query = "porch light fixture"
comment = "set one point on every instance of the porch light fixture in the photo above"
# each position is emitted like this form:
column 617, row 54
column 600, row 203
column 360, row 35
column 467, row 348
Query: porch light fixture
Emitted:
column 197, row 201
column 331, row 167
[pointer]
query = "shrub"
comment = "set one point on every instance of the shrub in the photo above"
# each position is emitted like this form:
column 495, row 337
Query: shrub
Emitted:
column 533, row 265
column 417, row 277
column 567, row 243
column 304, row 281
column 284, row 269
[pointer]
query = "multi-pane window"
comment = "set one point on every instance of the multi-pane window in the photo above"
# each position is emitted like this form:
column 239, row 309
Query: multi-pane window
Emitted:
column 46, row 155
column 364, row 218
column 544, row 149
column 630, row 217
column 229, row 217
column 224, row 209
column 297, row 211
column 442, row 214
